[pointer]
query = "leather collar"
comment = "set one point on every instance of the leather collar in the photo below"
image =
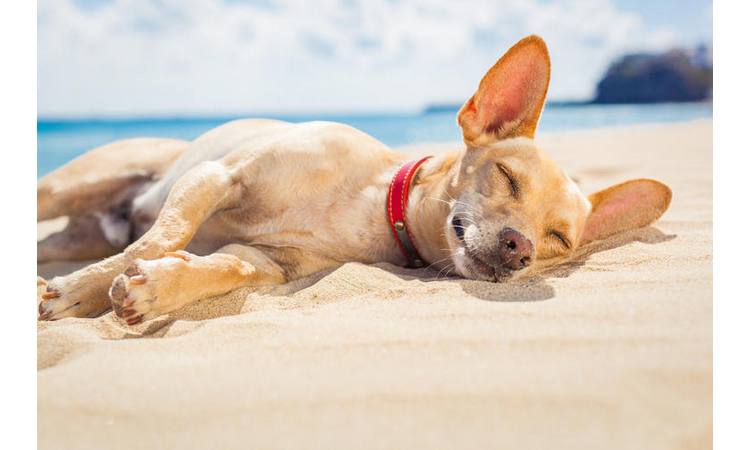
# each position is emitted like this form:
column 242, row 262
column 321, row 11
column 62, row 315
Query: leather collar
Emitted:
column 398, row 199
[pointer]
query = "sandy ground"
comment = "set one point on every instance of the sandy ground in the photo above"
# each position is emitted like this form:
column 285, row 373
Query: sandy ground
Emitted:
column 612, row 351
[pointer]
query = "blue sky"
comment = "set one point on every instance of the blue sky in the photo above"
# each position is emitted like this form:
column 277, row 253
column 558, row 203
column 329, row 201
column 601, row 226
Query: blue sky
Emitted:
column 153, row 57
column 690, row 19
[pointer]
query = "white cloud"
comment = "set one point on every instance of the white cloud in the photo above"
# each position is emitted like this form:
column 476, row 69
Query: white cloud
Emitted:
column 214, row 56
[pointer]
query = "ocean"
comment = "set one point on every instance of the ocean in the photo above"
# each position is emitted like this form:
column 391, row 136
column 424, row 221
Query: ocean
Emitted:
column 59, row 141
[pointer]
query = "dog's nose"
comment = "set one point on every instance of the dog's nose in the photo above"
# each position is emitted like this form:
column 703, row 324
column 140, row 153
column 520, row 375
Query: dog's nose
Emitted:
column 515, row 250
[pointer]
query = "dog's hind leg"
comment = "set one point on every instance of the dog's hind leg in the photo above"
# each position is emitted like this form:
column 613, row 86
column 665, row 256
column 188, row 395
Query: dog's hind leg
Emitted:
column 90, row 236
column 82, row 198
column 203, row 190
column 105, row 177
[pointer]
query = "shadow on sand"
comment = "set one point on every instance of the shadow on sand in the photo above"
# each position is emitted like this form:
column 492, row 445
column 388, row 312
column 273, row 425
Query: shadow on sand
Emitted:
column 536, row 288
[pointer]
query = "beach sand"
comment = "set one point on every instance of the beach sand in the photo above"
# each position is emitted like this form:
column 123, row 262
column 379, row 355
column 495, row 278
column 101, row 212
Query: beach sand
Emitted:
column 611, row 351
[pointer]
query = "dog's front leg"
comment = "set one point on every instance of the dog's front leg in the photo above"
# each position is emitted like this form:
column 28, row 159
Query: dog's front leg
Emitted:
column 150, row 288
column 194, row 197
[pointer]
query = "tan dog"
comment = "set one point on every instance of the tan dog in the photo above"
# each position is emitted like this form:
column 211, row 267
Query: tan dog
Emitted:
column 264, row 202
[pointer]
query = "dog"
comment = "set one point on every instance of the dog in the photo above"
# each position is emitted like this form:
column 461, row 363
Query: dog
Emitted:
column 264, row 202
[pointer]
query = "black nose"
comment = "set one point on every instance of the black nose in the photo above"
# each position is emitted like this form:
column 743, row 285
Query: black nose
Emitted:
column 515, row 250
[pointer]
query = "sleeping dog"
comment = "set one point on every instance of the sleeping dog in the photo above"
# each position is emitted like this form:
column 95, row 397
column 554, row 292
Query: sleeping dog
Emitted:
column 263, row 202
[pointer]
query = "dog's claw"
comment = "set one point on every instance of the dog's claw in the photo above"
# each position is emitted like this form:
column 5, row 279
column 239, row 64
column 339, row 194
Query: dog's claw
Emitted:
column 185, row 256
column 44, row 315
column 50, row 294
column 138, row 279
column 135, row 320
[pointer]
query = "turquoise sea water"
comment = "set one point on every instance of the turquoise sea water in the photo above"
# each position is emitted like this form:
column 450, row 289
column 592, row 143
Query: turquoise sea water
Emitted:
column 59, row 141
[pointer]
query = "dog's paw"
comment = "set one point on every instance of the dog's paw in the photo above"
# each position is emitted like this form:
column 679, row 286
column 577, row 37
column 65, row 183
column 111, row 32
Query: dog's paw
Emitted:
column 62, row 297
column 50, row 306
column 147, row 289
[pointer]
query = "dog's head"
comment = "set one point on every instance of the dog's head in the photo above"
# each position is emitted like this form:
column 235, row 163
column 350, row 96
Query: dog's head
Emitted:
column 511, row 207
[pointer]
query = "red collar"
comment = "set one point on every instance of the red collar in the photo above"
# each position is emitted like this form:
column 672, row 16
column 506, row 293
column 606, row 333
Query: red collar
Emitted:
column 398, row 198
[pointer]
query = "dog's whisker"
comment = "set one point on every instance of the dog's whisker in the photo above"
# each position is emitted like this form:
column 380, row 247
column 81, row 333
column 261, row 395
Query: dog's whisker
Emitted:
column 439, row 200
column 447, row 270
column 438, row 262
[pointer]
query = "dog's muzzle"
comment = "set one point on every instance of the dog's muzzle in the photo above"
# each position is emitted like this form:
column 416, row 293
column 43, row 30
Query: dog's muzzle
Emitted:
column 513, row 252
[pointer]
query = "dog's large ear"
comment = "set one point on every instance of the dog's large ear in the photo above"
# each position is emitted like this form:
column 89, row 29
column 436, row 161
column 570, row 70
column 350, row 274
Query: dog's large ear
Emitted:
column 625, row 206
column 510, row 97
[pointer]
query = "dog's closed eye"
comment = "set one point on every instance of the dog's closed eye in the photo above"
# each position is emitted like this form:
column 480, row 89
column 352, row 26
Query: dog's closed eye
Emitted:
column 512, row 183
column 560, row 237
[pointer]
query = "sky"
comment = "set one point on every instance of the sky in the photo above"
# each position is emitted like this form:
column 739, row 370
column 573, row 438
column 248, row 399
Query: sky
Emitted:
column 214, row 57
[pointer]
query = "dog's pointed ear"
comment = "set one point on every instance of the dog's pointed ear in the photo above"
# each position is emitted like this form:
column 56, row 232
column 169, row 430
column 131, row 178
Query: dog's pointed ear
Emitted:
column 511, row 95
column 625, row 206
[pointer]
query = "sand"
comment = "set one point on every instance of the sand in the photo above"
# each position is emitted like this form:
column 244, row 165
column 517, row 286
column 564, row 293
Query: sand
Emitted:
column 613, row 350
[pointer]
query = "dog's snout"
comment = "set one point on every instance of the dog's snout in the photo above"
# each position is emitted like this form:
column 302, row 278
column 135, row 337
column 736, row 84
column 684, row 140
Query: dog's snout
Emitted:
column 516, row 252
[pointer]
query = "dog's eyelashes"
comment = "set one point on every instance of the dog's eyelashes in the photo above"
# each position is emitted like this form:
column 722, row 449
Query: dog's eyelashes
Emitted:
column 512, row 183
column 559, row 236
